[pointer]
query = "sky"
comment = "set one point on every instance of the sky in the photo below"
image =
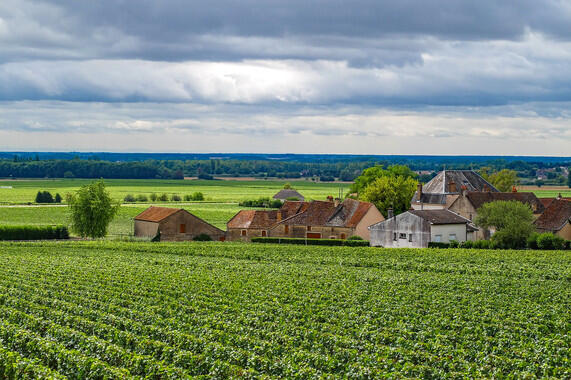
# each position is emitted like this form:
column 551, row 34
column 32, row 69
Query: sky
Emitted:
column 440, row 77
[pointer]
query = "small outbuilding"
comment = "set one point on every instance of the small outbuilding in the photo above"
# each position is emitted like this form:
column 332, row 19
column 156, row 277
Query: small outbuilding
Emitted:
column 416, row 228
column 174, row 224
column 289, row 194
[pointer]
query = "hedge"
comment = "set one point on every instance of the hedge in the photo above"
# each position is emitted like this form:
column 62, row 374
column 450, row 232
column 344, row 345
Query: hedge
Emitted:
column 33, row 232
column 301, row 241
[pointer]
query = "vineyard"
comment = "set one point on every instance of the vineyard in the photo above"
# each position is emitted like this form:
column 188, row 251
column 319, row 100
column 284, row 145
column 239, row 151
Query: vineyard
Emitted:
column 94, row 310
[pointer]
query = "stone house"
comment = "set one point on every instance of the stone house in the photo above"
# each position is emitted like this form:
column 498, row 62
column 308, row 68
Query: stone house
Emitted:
column 329, row 220
column 556, row 218
column 174, row 224
column 285, row 194
column 468, row 203
column 442, row 190
column 416, row 228
column 247, row 224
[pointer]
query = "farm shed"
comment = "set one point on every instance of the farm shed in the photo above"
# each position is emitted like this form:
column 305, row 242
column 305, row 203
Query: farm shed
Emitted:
column 416, row 228
column 174, row 224
column 285, row 194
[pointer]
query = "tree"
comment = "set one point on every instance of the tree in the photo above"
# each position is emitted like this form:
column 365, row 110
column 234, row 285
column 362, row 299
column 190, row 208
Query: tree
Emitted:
column 57, row 199
column 512, row 220
column 287, row 186
column 92, row 209
column 390, row 192
column 504, row 180
column 371, row 174
column 569, row 179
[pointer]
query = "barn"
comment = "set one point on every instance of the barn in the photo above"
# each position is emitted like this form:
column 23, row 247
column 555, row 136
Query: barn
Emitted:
column 174, row 224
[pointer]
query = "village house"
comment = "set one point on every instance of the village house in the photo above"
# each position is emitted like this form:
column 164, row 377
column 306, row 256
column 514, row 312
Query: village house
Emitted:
column 443, row 189
column 416, row 228
column 288, row 194
column 330, row 219
column 173, row 224
column 556, row 218
column 247, row 224
column 467, row 204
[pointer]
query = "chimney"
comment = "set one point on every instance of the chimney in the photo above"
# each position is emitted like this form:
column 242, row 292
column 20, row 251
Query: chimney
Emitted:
column 279, row 216
column 559, row 196
column 464, row 189
column 390, row 213
column 514, row 190
column 486, row 188
column 337, row 201
column 452, row 187
column 329, row 198
column 419, row 192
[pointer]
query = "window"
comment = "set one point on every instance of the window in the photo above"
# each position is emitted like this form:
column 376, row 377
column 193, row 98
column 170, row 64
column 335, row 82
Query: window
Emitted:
column 438, row 238
column 343, row 236
column 309, row 228
column 182, row 228
column 402, row 236
column 286, row 229
column 264, row 233
column 395, row 236
column 410, row 237
column 243, row 232
column 452, row 237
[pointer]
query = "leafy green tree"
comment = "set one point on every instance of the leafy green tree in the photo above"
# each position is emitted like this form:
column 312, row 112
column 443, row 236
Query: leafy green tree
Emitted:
column 371, row 174
column 504, row 179
column 512, row 220
column 92, row 209
column 390, row 192
column 569, row 178
column 287, row 186
column 57, row 198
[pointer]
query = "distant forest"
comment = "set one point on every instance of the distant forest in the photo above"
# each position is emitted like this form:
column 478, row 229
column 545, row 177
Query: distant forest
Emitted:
column 207, row 166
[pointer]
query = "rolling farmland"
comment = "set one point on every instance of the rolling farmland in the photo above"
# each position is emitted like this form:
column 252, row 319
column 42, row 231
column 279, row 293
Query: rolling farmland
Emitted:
column 121, row 310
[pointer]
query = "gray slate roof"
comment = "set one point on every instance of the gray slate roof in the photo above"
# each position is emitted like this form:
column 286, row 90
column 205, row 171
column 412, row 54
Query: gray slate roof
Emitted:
column 440, row 216
column 436, row 189
column 289, row 193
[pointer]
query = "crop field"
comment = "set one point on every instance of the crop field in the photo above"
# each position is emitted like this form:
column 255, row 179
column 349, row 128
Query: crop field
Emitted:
column 23, row 191
column 166, row 310
column 215, row 213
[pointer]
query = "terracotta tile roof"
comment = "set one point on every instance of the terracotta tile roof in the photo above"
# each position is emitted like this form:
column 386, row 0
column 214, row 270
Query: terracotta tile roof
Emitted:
column 555, row 216
column 479, row 198
column 288, row 193
column 253, row 219
column 440, row 216
column 290, row 208
column 156, row 214
column 324, row 213
column 547, row 201
column 349, row 213
column 315, row 214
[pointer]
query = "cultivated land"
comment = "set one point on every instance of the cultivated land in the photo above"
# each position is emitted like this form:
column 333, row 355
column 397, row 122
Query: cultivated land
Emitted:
column 96, row 309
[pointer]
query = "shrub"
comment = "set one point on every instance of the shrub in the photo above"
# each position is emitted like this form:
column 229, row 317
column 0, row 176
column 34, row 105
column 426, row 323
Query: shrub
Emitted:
column 176, row 198
column 437, row 244
column 163, row 197
column 355, row 237
column 301, row 241
column 198, row 196
column 153, row 197
column 187, row 197
column 142, row 198
column 454, row 244
column 33, row 232
column 262, row 202
column 550, row 241
column 512, row 220
column 57, row 199
column 483, row 244
column 202, row 237
column 467, row 244
column 205, row 176
column 44, row 197
column 129, row 198
column 532, row 241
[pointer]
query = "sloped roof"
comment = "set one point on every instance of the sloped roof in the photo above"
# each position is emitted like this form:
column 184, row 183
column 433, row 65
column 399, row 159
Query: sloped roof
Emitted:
column 440, row 216
column 349, row 213
column 317, row 213
column 469, row 178
column 478, row 199
column 430, row 198
column 156, row 214
column 555, row 215
column 253, row 219
column 290, row 208
column 288, row 193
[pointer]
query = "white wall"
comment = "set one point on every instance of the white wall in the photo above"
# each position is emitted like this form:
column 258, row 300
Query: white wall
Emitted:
column 446, row 229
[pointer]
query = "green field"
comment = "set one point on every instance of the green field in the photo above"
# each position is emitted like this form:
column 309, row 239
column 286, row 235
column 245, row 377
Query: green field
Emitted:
column 216, row 191
column 215, row 213
column 115, row 310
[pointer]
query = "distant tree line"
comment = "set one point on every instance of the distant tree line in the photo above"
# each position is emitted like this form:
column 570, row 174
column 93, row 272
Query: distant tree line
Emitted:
column 325, row 170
